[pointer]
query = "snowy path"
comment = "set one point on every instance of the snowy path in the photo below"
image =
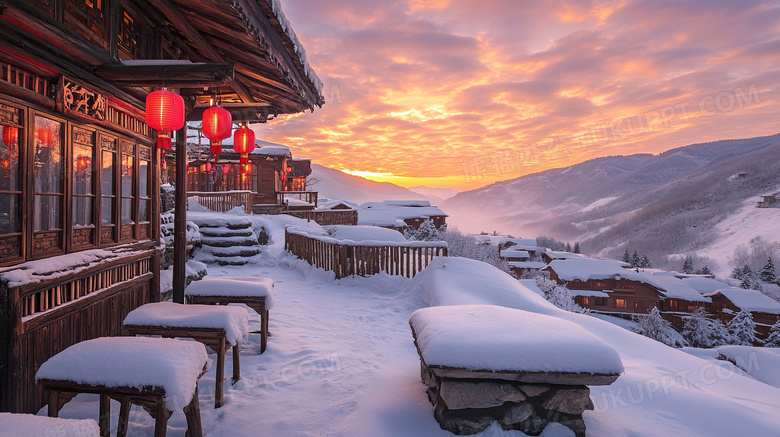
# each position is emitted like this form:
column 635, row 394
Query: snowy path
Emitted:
column 340, row 362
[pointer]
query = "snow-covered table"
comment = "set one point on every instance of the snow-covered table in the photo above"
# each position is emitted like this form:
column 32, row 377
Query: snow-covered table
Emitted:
column 255, row 292
column 216, row 327
column 483, row 363
column 15, row 425
column 159, row 374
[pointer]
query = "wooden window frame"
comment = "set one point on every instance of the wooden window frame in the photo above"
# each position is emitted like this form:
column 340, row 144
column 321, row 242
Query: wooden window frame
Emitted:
column 115, row 209
column 31, row 193
column 618, row 301
column 21, row 148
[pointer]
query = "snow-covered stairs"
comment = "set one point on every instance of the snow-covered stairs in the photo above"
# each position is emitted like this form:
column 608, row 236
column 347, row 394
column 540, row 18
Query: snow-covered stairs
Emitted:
column 227, row 241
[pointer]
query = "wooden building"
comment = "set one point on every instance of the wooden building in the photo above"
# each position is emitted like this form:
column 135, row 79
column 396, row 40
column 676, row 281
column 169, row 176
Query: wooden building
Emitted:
column 767, row 201
column 297, row 173
column 79, row 170
column 726, row 303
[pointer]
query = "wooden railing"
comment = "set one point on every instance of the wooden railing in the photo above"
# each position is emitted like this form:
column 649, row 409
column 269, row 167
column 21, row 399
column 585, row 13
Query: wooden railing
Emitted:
column 352, row 259
column 328, row 217
column 222, row 201
column 306, row 196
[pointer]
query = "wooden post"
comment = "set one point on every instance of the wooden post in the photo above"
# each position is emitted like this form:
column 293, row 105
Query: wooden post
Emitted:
column 180, row 218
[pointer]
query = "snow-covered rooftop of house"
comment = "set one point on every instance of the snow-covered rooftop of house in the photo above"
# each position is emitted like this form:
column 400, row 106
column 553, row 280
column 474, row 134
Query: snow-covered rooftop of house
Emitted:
column 749, row 300
column 526, row 264
column 594, row 269
column 555, row 254
column 591, row 293
column 391, row 214
column 364, row 233
column 704, row 284
column 137, row 362
column 330, row 203
column 514, row 253
column 234, row 320
column 15, row 425
column 519, row 241
column 495, row 338
column 261, row 147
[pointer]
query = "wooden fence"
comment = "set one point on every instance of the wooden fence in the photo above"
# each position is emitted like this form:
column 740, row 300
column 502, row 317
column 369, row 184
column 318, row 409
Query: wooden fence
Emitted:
column 306, row 196
column 326, row 217
column 222, row 201
column 351, row 259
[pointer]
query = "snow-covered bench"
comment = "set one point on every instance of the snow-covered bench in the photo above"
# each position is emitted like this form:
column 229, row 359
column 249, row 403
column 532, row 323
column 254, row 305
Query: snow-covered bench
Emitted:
column 216, row 327
column 486, row 363
column 15, row 425
column 255, row 292
column 159, row 374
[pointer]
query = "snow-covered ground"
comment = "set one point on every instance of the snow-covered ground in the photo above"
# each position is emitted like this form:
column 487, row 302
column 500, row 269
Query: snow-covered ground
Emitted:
column 739, row 228
column 341, row 362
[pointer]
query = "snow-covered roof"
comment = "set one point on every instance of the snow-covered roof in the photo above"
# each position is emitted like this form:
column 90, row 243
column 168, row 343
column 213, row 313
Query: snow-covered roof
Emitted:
column 590, row 293
column 519, row 241
column 595, row 269
column 265, row 148
column 513, row 253
column 556, row 254
column 487, row 337
column 703, row 284
column 749, row 300
column 526, row 264
column 390, row 214
column 364, row 233
column 330, row 203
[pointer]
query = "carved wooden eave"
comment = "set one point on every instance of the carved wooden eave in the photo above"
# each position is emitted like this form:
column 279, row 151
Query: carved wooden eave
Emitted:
column 173, row 75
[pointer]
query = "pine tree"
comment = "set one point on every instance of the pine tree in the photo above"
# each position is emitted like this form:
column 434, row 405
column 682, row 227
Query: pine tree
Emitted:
column 688, row 264
column 426, row 232
column 558, row 295
column 700, row 331
column 645, row 262
column 774, row 336
column 577, row 247
column 635, row 260
column 750, row 280
column 736, row 273
column 704, row 271
column 768, row 272
column 568, row 247
column 626, row 257
column 742, row 329
column 654, row 326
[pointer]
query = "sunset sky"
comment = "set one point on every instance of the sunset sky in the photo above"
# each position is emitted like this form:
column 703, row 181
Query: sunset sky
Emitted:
column 456, row 93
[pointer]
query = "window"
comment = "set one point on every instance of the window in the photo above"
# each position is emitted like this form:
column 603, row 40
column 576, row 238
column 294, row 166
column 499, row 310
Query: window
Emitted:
column 673, row 304
column 128, row 188
column 144, row 191
column 600, row 301
column 83, row 178
column 10, row 190
column 620, row 303
column 586, row 300
column 108, row 191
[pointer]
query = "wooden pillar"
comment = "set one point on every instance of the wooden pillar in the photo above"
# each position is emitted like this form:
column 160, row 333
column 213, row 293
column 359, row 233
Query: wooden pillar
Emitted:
column 180, row 219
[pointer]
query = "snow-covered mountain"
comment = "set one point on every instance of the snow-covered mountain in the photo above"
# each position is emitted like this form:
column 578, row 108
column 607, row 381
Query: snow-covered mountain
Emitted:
column 335, row 184
column 657, row 204
column 439, row 193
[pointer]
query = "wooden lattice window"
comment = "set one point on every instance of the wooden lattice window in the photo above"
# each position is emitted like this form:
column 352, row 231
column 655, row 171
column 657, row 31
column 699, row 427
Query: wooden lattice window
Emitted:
column 88, row 18
column 108, row 191
column 83, row 187
column 128, row 35
column 10, row 183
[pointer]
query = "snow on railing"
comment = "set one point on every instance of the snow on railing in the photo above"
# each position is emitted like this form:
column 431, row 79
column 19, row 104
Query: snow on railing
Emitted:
column 223, row 201
column 362, row 258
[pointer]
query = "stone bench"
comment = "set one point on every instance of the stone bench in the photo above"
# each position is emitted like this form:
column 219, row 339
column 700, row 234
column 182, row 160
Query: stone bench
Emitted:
column 255, row 292
column 484, row 363
column 215, row 327
column 160, row 374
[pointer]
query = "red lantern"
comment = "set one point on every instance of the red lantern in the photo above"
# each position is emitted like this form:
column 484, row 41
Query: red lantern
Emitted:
column 46, row 136
column 208, row 166
column 164, row 113
column 217, row 126
column 10, row 135
column 244, row 143
column 225, row 168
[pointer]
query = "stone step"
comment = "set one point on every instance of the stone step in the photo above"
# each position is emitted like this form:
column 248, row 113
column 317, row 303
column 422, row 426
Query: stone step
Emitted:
column 224, row 232
column 222, row 260
column 243, row 251
column 228, row 241
column 229, row 225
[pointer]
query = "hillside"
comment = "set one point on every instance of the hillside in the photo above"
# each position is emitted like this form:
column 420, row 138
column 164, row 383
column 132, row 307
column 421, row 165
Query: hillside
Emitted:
column 334, row 184
column 656, row 204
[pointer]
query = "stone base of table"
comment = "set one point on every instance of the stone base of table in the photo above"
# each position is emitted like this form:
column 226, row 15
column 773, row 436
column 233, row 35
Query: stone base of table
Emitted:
column 469, row 405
